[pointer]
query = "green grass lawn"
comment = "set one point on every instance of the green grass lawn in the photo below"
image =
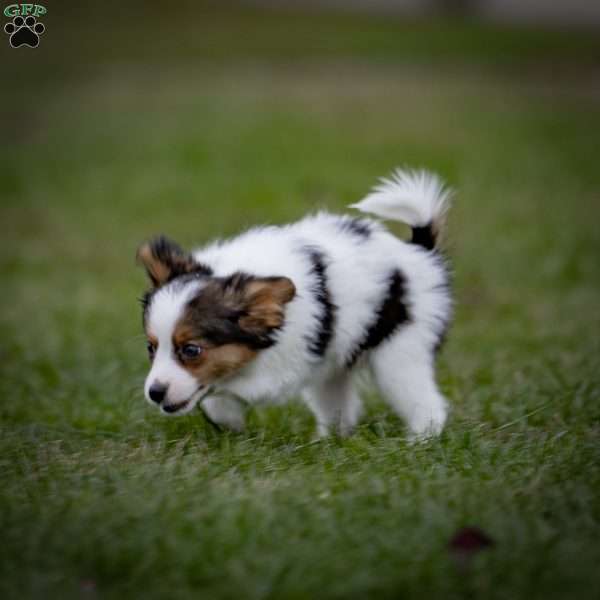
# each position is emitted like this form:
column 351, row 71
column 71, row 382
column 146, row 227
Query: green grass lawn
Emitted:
column 201, row 127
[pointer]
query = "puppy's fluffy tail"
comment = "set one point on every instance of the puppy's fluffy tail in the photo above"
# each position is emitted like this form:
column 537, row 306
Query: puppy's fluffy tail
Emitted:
column 418, row 198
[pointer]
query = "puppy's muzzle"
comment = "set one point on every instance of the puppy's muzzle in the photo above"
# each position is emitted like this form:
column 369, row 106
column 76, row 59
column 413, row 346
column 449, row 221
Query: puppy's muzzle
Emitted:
column 175, row 407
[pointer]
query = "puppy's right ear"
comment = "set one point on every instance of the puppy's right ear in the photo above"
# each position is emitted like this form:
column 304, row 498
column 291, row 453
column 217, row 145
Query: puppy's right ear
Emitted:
column 164, row 260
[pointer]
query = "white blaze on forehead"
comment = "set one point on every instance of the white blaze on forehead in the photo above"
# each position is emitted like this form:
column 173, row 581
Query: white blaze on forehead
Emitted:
column 167, row 307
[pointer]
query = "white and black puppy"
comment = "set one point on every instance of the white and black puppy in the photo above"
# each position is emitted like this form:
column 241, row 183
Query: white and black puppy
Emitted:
column 297, row 309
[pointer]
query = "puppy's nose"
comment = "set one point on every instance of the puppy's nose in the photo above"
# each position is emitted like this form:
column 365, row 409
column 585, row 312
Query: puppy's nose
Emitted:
column 157, row 392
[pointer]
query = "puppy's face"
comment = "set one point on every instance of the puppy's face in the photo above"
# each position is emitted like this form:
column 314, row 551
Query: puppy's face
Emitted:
column 202, row 329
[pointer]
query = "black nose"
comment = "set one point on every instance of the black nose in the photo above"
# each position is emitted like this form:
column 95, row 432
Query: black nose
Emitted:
column 157, row 392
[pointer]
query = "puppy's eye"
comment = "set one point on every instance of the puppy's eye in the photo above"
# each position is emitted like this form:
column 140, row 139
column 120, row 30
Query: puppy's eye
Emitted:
column 151, row 350
column 190, row 351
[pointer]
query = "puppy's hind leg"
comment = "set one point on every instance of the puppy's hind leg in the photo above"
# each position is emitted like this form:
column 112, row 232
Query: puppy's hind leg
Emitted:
column 335, row 404
column 403, row 368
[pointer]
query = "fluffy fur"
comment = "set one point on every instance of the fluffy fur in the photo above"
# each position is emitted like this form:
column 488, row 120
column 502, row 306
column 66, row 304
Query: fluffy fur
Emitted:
column 296, row 310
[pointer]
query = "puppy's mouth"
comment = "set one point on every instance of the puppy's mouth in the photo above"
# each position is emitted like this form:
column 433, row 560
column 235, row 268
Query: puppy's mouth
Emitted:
column 186, row 405
column 175, row 408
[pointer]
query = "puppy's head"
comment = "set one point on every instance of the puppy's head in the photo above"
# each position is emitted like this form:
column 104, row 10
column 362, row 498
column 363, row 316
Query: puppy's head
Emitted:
column 200, row 328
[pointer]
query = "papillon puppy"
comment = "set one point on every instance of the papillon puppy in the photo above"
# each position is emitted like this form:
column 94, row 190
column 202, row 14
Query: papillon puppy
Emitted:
column 296, row 310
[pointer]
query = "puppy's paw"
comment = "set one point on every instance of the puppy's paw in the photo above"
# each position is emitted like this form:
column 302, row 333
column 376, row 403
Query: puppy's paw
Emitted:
column 225, row 411
column 428, row 425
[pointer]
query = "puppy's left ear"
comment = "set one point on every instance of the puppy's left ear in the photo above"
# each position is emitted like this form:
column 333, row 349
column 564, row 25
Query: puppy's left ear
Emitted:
column 262, row 301
column 164, row 260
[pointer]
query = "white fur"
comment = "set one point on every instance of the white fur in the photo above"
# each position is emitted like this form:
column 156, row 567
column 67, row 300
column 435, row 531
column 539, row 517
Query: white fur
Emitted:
column 225, row 410
column 358, row 273
column 416, row 198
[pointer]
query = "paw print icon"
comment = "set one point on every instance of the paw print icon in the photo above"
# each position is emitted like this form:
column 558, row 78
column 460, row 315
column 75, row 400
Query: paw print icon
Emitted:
column 24, row 32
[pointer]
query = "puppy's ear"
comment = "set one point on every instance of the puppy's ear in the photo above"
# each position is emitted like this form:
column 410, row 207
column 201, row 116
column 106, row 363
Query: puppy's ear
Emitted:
column 164, row 260
column 261, row 301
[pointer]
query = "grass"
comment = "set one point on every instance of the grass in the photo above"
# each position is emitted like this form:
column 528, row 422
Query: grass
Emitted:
column 233, row 119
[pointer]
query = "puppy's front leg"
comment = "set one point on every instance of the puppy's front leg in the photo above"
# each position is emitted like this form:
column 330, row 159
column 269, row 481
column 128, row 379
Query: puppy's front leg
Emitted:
column 225, row 410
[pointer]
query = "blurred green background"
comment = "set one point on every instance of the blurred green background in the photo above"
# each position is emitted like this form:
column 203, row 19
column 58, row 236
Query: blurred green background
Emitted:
column 198, row 120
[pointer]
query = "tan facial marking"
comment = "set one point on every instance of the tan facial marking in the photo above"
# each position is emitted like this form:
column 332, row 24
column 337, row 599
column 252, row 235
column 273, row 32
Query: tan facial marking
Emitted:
column 214, row 362
column 217, row 363
column 265, row 299
column 152, row 339
column 184, row 334
column 157, row 270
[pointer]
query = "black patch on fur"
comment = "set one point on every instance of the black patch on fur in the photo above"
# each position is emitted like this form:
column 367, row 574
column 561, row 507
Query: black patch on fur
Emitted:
column 359, row 228
column 424, row 236
column 446, row 288
column 145, row 301
column 236, row 282
column 318, row 343
column 391, row 313
column 218, row 322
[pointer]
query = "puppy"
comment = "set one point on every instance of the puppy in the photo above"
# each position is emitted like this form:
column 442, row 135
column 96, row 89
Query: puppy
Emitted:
column 297, row 309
